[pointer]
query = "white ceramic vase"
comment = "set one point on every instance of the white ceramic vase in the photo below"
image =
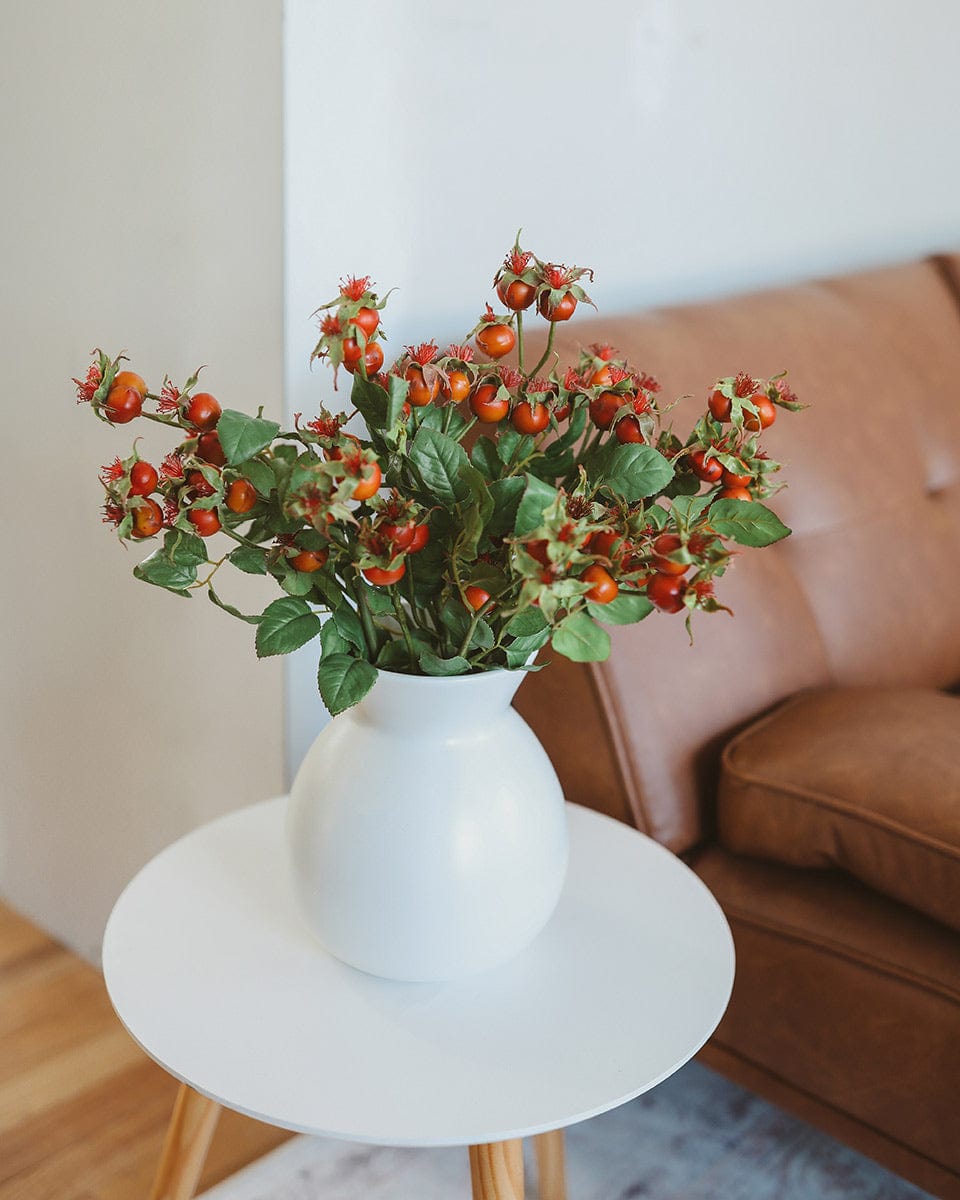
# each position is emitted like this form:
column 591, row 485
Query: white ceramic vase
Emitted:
column 427, row 829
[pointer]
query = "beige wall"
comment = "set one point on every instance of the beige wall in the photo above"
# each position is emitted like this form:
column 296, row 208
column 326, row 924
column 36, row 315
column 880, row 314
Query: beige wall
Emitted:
column 140, row 209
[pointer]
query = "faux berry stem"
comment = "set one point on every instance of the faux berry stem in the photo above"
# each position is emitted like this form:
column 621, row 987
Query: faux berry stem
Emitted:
column 468, row 636
column 466, row 429
column 161, row 420
column 238, row 537
column 366, row 617
column 520, row 341
column 402, row 619
column 547, row 352
column 202, row 583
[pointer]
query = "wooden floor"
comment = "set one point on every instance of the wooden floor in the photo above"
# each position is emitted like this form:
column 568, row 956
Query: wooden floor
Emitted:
column 82, row 1109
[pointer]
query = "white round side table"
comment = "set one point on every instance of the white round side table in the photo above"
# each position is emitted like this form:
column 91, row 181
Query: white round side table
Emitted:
column 213, row 972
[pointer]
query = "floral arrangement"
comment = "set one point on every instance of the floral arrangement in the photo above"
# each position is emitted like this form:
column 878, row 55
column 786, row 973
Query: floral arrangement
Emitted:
column 488, row 507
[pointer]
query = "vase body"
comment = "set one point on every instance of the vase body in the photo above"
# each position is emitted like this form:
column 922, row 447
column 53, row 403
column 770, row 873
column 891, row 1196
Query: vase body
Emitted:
column 427, row 829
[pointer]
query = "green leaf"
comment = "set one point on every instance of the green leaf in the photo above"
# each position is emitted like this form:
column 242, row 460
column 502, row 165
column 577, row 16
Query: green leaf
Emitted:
column 455, row 618
column 479, row 490
column 526, row 622
column 242, row 437
column 427, row 568
column 656, row 516
column 506, row 495
column 430, row 417
column 442, row 464
column 296, row 583
column 553, row 466
column 163, row 575
column 344, row 681
column 349, row 627
column 432, row 664
column 484, row 457
column 579, row 638
column 378, row 600
column 513, row 446
column 482, row 638
column 379, row 407
column 537, row 497
column 684, row 484
column 234, row 612
column 394, row 656
column 472, row 532
column 370, row 401
column 249, row 560
column 748, row 522
column 332, row 640
column 160, row 571
column 625, row 609
column 521, row 648
column 327, row 589
column 631, row 471
column 184, row 549
column 260, row 475
column 686, row 509
column 571, row 434
column 174, row 564
column 286, row 624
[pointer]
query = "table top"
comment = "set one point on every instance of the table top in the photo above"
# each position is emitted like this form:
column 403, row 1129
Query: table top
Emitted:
column 213, row 972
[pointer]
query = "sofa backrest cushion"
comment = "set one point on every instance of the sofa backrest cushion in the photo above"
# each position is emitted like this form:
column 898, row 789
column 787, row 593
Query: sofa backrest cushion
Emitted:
column 864, row 592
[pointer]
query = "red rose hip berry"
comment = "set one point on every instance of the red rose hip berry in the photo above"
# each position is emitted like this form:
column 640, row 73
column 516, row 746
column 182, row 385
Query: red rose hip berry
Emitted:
column 123, row 404
column 203, row 411
column 147, row 519
column 666, row 592
column 143, row 479
column 204, row 520
column 241, row 496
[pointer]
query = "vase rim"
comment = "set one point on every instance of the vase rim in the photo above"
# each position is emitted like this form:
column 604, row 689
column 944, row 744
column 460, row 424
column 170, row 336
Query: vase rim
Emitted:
column 473, row 675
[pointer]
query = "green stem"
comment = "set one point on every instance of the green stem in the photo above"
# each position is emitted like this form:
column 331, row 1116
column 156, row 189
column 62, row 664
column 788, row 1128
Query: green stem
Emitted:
column 237, row 537
column 469, row 634
column 510, row 469
column 593, row 441
column 163, row 421
column 456, row 572
column 466, row 429
column 520, row 341
column 546, row 353
column 439, row 628
column 366, row 619
column 202, row 583
column 402, row 619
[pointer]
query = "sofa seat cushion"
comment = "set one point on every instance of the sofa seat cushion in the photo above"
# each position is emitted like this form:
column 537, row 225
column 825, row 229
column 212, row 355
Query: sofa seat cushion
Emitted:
column 864, row 779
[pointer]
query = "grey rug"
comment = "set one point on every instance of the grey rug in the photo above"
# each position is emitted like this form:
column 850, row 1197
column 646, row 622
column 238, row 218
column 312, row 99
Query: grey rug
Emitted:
column 695, row 1137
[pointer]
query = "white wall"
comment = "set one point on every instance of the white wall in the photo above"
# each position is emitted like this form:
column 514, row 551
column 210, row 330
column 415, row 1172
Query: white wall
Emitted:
column 140, row 208
column 680, row 147
column 683, row 148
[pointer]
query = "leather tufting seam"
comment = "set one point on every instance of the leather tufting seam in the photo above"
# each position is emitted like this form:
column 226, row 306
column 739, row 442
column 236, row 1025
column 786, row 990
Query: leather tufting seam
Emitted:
column 877, row 965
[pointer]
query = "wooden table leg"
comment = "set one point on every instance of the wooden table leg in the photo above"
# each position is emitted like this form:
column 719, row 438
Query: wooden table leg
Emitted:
column 496, row 1170
column 551, row 1168
column 185, row 1147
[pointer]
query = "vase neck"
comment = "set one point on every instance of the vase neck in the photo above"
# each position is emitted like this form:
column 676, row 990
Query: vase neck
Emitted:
column 430, row 704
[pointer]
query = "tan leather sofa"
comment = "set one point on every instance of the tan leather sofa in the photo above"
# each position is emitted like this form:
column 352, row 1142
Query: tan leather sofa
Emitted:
column 804, row 756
